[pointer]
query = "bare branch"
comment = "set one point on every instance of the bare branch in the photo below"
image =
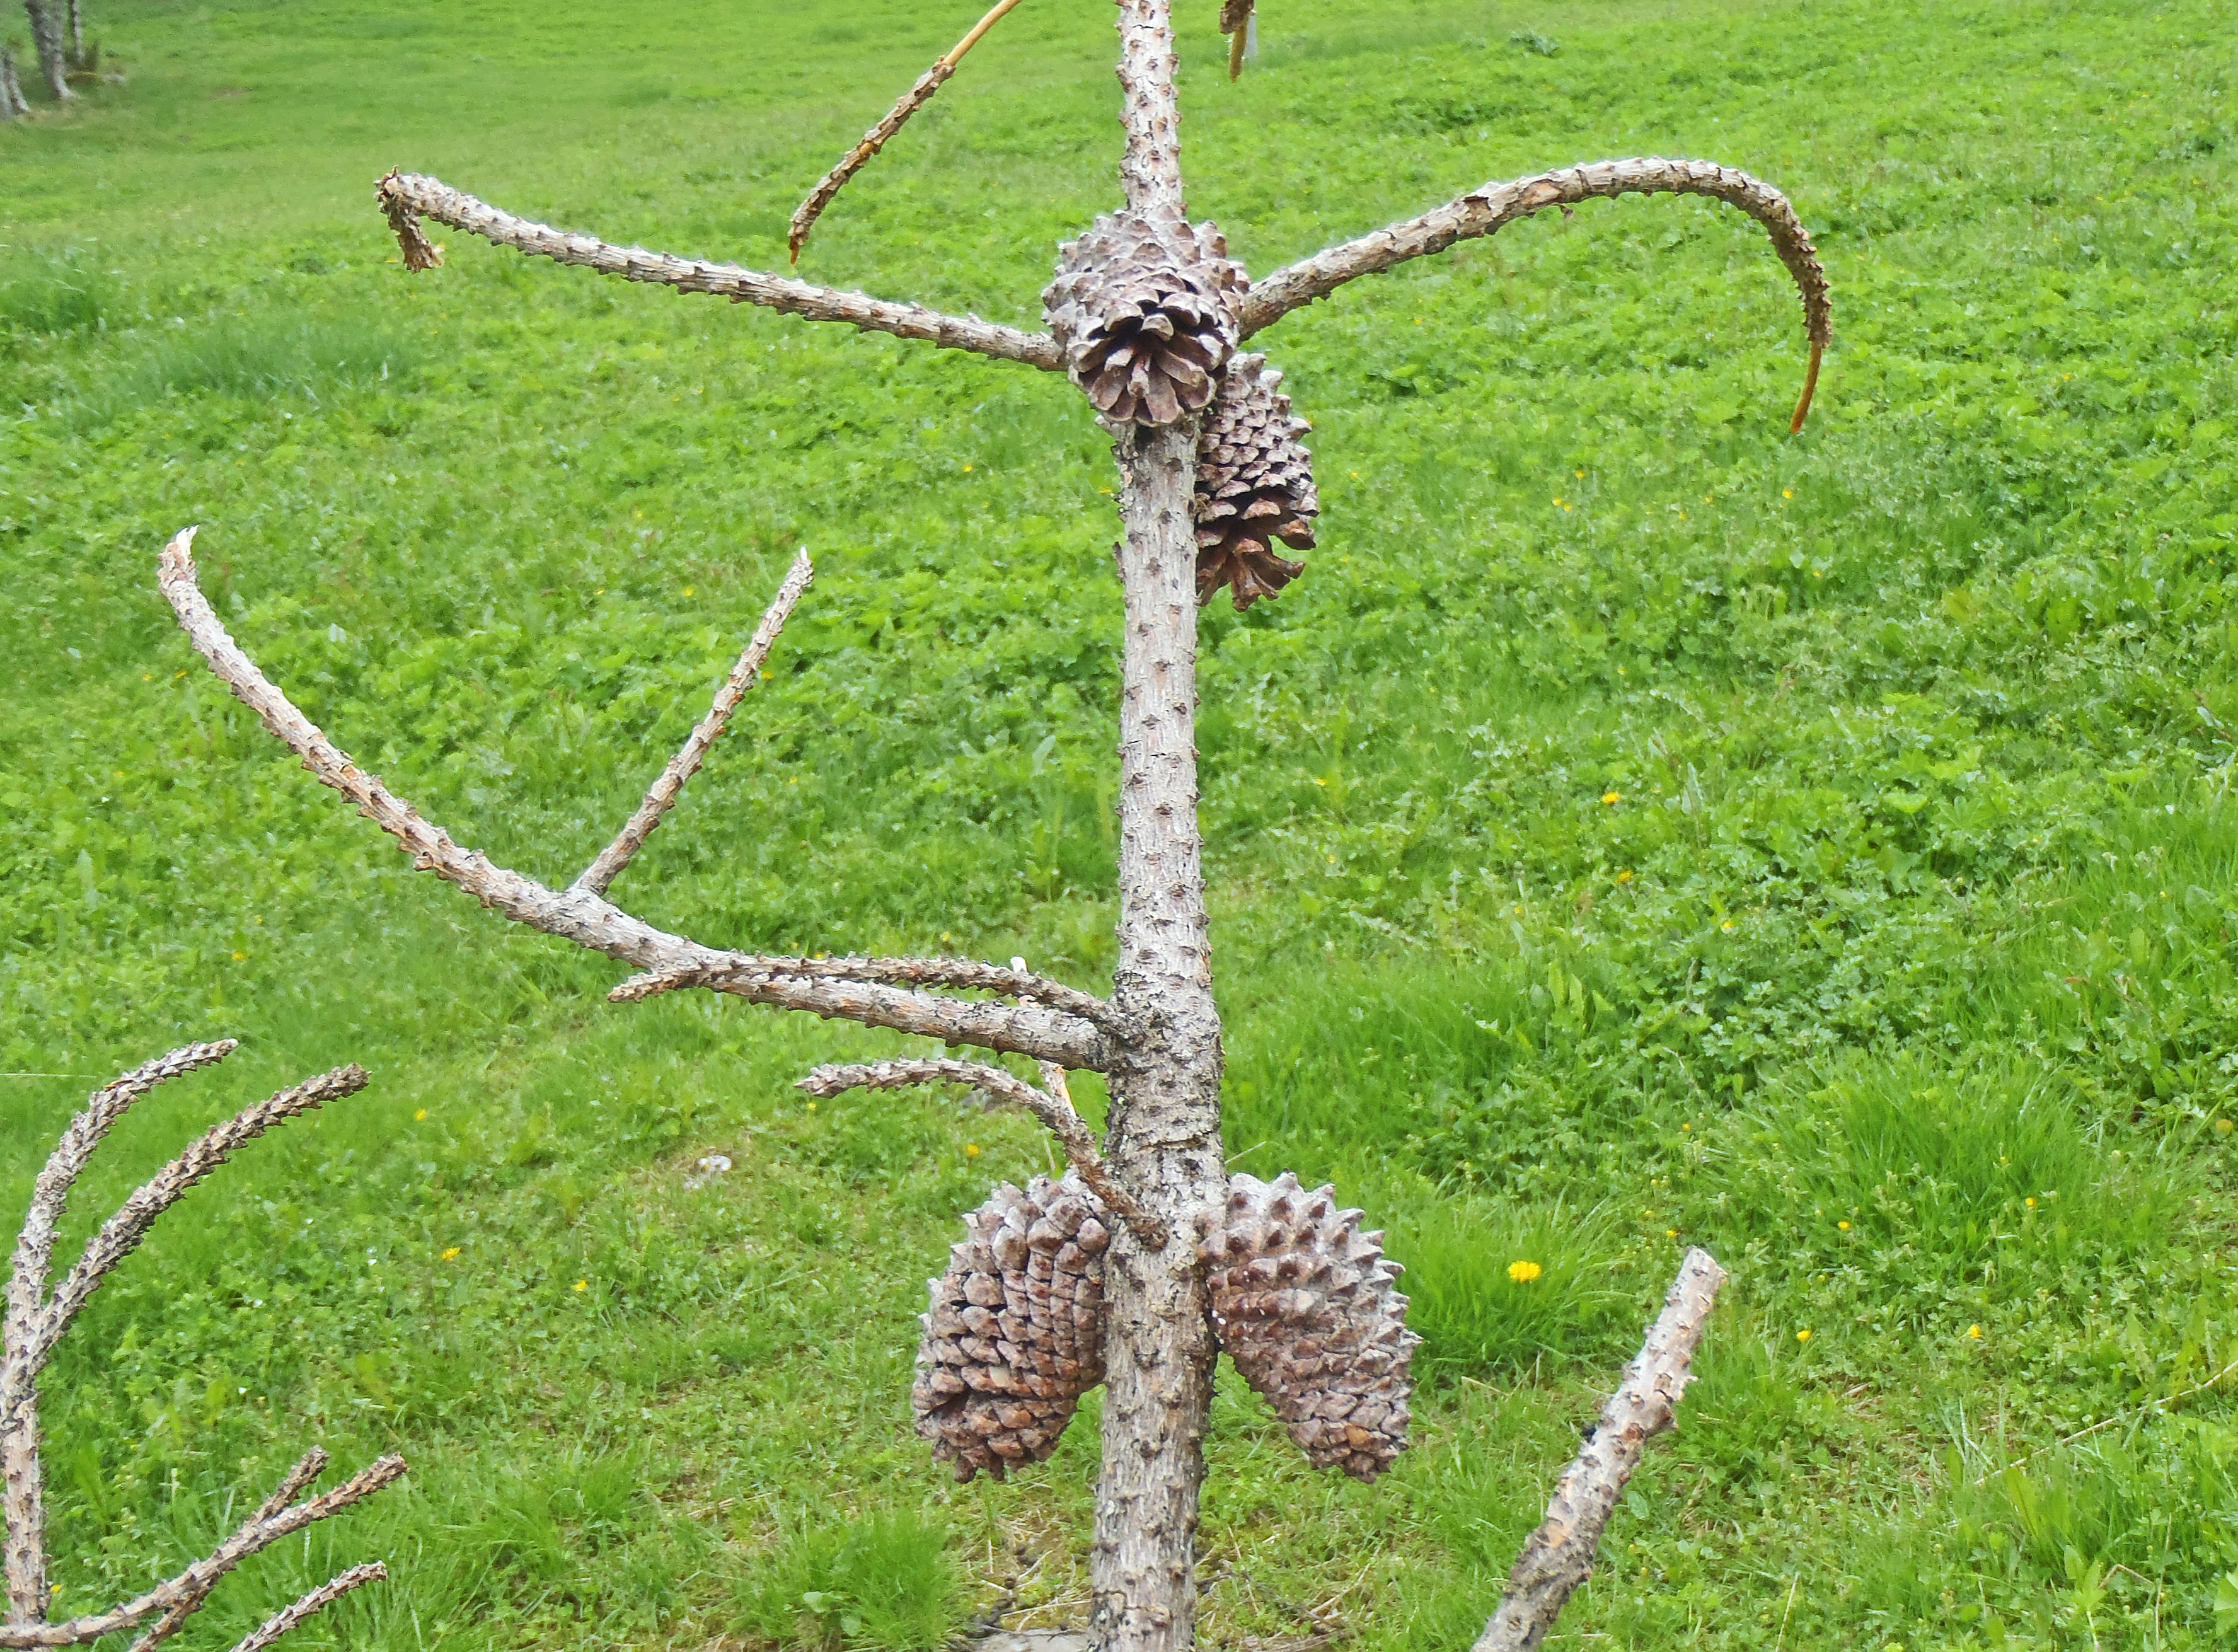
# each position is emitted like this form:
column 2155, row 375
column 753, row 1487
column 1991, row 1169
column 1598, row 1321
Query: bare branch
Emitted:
column 590, row 920
column 966, row 973
column 406, row 195
column 121, row 1235
column 317, row 1601
column 299, row 1480
column 22, row 1350
column 259, row 1532
column 681, row 767
column 1559, row 1554
column 805, row 215
column 1485, row 211
column 1055, row 1112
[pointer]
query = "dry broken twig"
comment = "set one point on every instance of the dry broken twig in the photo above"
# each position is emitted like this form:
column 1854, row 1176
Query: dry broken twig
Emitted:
column 1493, row 207
column 1052, row 1107
column 827, row 189
column 590, row 920
column 317, row 1600
column 1559, row 1554
column 681, row 767
column 35, row 1321
column 406, row 197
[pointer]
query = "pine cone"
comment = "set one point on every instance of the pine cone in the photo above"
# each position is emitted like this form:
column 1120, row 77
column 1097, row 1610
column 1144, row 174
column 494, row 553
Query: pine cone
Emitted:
column 1015, row 1334
column 1145, row 313
column 1254, row 485
column 1302, row 1302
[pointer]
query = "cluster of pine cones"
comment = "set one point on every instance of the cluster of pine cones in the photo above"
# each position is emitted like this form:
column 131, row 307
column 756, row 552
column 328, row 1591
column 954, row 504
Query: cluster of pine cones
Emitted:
column 1145, row 311
column 1301, row 1299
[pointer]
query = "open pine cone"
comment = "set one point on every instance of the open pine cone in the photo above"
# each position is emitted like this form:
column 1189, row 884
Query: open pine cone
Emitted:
column 1015, row 1334
column 1143, row 310
column 1254, row 485
column 1303, row 1303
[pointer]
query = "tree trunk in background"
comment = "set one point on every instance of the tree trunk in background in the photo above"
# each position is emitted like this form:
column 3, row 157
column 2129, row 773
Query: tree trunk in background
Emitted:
column 76, row 53
column 46, row 40
column 12, row 106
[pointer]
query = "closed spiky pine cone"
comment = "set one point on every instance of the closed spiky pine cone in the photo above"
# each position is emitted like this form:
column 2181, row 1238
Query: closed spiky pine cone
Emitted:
column 1015, row 1334
column 1144, row 310
column 1303, row 1303
column 1254, row 485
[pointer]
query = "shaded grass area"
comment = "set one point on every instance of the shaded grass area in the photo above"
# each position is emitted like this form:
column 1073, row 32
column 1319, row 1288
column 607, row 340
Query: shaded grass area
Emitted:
column 1637, row 828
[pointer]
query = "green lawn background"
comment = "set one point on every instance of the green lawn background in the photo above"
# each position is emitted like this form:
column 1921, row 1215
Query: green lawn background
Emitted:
column 1637, row 828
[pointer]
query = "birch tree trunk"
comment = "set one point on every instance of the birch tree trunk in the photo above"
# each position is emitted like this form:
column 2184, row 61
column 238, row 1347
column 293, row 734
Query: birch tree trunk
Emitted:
column 46, row 40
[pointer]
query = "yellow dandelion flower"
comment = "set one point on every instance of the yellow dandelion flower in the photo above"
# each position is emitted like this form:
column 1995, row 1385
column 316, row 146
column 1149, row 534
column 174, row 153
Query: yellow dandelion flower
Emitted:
column 1844, row 1226
column 2030, row 1202
column 451, row 1254
column 1580, row 475
column 582, row 1284
column 1725, row 928
column 419, row 1117
column 1687, row 1126
column 687, row 590
column 971, row 1149
column 1671, row 1233
column 1624, row 876
column 812, row 1106
column 241, row 958
column 1524, row 1272
column 967, row 470
column 1975, row 1331
column 1802, row 1336
column 1611, row 798
column 1787, row 493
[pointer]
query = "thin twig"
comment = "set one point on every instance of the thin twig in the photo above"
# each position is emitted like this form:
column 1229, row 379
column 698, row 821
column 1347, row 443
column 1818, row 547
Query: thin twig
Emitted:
column 1559, row 1554
column 1023, row 984
column 320, row 1598
column 590, row 920
column 663, row 794
column 23, row 1345
column 1485, row 211
column 2146, row 1410
column 805, row 215
column 1055, row 1112
column 257, row 1534
column 405, row 196
column 121, row 1235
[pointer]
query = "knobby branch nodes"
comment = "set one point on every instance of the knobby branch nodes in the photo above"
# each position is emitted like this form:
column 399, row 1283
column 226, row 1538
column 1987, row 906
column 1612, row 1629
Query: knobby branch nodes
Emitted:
column 36, row 1319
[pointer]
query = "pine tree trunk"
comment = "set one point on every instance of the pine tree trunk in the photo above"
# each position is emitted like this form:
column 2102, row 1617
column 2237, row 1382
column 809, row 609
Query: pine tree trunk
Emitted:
column 1164, row 1131
column 77, row 52
column 1164, row 1136
column 46, row 39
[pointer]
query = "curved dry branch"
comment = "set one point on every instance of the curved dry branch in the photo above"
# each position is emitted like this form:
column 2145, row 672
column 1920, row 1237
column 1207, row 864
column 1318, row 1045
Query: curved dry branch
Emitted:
column 1485, row 211
column 805, row 215
column 1559, row 1554
column 260, row 1532
column 663, row 794
column 1055, row 1110
column 1023, row 984
column 589, row 920
column 407, row 197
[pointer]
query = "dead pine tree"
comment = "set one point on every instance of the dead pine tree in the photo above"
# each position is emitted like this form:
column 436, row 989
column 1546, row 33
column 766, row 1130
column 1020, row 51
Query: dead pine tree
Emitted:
column 34, row 1321
column 1147, row 1258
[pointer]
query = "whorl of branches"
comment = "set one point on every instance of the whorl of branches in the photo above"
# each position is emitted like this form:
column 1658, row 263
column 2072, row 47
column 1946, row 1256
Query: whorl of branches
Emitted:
column 36, row 1318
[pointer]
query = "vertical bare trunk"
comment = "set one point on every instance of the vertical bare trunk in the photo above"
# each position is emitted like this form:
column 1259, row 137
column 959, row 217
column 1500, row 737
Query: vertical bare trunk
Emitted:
column 1164, row 1134
column 77, row 52
column 19, row 1463
column 46, row 39
column 1164, row 1138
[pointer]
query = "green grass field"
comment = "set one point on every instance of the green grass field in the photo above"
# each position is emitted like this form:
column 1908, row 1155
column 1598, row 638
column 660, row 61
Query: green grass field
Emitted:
column 1638, row 828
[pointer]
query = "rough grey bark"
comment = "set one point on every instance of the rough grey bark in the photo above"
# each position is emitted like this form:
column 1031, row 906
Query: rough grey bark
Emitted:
column 47, row 42
column 74, row 49
column 1559, row 1555
column 406, row 196
column 36, row 1320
